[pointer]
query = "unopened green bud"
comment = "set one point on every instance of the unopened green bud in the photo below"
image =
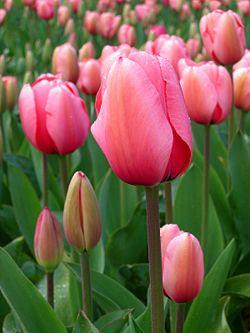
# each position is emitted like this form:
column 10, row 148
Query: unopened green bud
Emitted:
column 47, row 51
column 28, row 78
column 2, row 96
column 69, row 27
column 2, row 64
column 30, row 62
column 81, row 9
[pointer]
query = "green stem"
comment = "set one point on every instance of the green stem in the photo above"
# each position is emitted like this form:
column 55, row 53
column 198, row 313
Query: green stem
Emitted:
column 168, row 203
column 180, row 312
column 231, row 116
column 205, row 186
column 63, row 173
column 45, row 179
column 154, row 254
column 123, row 202
column 50, row 288
column 241, row 121
column 86, row 284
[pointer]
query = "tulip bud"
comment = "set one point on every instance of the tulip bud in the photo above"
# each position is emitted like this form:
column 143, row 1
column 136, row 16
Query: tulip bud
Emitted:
column 126, row 11
column 1, row 146
column 2, row 96
column 2, row 64
column 183, row 268
column 10, row 84
column 193, row 30
column 47, row 51
column 81, row 215
column 28, row 78
column 81, row 9
column 133, row 18
column 2, row 15
column 72, row 39
column 48, row 242
column 87, row 51
column 69, row 27
column 30, row 62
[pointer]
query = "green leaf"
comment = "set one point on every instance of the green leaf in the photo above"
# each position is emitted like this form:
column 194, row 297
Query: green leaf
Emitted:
column 219, row 322
column 27, row 207
column 84, row 325
column 204, row 305
column 14, row 285
column 113, row 322
column 111, row 289
column 8, row 221
column 239, row 161
column 187, row 214
column 105, row 303
column 97, row 258
column 133, row 326
column 238, row 285
column 11, row 324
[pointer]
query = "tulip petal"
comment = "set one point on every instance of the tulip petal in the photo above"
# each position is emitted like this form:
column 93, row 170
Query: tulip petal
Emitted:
column 137, row 138
column 67, row 120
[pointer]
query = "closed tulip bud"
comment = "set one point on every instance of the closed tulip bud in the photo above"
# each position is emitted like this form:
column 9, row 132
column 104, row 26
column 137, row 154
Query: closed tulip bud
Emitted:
column 90, row 76
column 44, row 9
column 53, row 116
column 133, row 18
column 2, row 64
column 185, row 12
column 127, row 35
column 30, row 61
column 207, row 90
column 109, row 25
column 69, row 27
column 63, row 15
column 47, row 51
column 223, row 36
column 65, row 62
column 193, row 30
column 183, row 268
column 158, row 30
column 2, row 15
column 193, row 46
column 48, row 242
column 81, row 9
column 81, row 214
column 28, row 78
column 2, row 96
column 72, row 39
column 241, row 82
column 87, row 51
column 10, row 84
column 91, row 22
column 126, row 12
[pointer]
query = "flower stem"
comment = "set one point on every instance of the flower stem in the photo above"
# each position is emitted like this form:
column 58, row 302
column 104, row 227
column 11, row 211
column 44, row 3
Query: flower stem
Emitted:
column 86, row 284
column 180, row 312
column 50, row 288
column 205, row 186
column 168, row 203
column 63, row 173
column 154, row 253
column 45, row 179
column 231, row 115
column 123, row 202
column 241, row 121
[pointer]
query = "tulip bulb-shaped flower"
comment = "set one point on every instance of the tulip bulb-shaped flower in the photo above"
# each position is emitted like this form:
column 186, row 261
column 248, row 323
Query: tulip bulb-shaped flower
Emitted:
column 48, row 242
column 10, row 84
column 53, row 116
column 183, row 267
column 81, row 215
column 90, row 76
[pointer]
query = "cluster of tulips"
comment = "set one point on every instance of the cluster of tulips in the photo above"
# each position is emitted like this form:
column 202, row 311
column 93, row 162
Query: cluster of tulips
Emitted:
column 85, row 128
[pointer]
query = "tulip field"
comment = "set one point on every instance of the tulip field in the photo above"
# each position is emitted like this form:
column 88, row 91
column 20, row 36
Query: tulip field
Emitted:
column 125, row 166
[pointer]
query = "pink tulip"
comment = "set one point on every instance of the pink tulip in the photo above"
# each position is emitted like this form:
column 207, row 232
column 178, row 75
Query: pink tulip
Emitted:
column 10, row 84
column 141, row 11
column 48, row 241
column 197, row 4
column 215, row 4
column 175, row 5
column 86, row 51
column 65, row 62
column 241, row 82
column 8, row 4
column 244, row 61
column 193, row 46
column 108, row 50
column 127, row 34
column 185, row 11
column 90, row 76
column 91, row 22
column 105, row 5
column 207, row 89
column 2, row 15
column 53, row 116
column 158, row 30
column 244, row 5
column 142, row 124
column 75, row 4
column 109, row 25
column 44, row 9
column 63, row 15
column 223, row 36
column 183, row 268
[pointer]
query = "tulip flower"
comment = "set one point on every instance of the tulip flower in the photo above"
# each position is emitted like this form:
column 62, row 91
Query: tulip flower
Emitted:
column 183, row 267
column 193, row 46
column 127, row 34
column 63, row 15
column 10, row 84
column 2, row 15
column 185, row 11
column 48, row 241
column 91, row 22
column 241, row 81
column 65, row 62
column 87, row 51
column 81, row 214
column 158, row 30
column 142, row 124
column 109, row 25
column 90, row 76
column 75, row 4
column 244, row 6
column 223, row 36
column 207, row 89
column 44, row 9
column 53, row 116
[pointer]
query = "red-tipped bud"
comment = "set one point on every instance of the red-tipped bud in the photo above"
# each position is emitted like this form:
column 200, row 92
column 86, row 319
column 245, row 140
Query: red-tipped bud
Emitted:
column 10, row 84
column 81, row 215
column 48, row 242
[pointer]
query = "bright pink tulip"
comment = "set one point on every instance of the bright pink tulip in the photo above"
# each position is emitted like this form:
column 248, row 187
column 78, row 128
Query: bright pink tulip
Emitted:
column 65, row 62
column 244, row 6
column 193, row 46
column 197, row 4
column 141, row 11
column 63, row 15
column 183, row 268
column 108, row 50
column 215, row 4
column 244, row 61
column 75, row 4
column 44, row 9
column 91, row 22
column 53, row 116
column 109, row 25
column 90, row 76
column 127, row 34
column 175, row 5
column 48, row 241
column 207, row 89
column 2, row 15
column 158, row 30
column 223, row 36
column 185, row 11
column 8, row 4
column 142, row 124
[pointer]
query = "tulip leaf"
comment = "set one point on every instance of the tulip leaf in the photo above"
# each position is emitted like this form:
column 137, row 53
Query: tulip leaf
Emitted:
column 133, row 326
column 8, row 221
column 97, row 258
column 218, row 151
column 219, row 323
column 11, row 324
column 187, row 214
column 105, row 303
column 238, row 285
column 14, row 287
column 203, row 308
column 83, row 324
column 143, row 321
column 239, row 161
column 26, row 207
column 111, row 289
column 113, row 322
